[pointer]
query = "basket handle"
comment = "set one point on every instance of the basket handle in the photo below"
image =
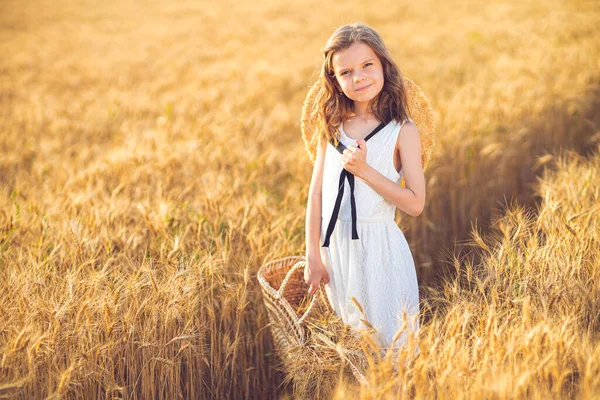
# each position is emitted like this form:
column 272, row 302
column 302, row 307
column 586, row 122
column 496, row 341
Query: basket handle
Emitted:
column 296, row 266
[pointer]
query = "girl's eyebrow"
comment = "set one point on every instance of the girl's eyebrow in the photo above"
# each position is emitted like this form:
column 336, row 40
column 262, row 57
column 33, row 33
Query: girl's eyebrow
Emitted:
column 343, row 69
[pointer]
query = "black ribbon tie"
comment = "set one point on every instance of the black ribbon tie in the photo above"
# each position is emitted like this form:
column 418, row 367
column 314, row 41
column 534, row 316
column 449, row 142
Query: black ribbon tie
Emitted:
column 338, row 201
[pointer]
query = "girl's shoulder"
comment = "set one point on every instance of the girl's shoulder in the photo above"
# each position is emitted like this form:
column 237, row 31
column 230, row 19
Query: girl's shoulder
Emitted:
column 407, row 124
column 408, row 128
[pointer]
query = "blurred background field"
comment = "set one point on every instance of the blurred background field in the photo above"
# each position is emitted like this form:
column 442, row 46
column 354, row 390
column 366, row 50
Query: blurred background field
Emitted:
column 151, row 161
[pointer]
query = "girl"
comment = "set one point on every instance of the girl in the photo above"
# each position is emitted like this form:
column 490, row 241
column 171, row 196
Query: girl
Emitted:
column 353, row 244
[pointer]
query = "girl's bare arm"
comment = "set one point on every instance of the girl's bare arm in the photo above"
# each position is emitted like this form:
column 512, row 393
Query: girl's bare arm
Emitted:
column 313, row 211
column 410, row 199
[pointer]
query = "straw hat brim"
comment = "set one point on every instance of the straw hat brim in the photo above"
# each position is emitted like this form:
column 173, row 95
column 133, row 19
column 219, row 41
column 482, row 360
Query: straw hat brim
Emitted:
column 419, row 111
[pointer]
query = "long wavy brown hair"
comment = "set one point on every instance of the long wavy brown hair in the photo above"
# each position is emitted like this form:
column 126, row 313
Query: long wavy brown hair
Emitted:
column 332, row 109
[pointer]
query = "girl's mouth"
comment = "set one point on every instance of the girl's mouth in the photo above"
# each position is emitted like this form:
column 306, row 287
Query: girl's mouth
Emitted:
column 363, row 88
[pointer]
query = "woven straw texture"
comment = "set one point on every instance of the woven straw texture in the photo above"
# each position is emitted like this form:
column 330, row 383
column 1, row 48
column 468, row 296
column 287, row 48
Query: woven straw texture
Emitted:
column 419, row 111
column 289, row 305
column 290, row 308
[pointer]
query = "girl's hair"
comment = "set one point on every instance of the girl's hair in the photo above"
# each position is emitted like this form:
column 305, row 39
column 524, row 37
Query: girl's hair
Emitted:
column 332, row 109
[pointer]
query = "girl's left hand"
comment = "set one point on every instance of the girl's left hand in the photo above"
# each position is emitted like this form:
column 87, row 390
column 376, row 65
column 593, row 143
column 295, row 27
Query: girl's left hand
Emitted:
column 354, row 159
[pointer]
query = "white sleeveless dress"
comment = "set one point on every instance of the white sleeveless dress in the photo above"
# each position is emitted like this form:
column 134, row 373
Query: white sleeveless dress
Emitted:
column 377, row 269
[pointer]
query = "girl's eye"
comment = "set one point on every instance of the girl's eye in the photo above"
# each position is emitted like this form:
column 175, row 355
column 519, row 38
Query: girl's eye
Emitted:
column 367, row 64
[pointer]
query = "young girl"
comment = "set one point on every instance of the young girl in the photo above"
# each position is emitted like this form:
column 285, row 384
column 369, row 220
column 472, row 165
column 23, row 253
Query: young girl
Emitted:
column 365, row 137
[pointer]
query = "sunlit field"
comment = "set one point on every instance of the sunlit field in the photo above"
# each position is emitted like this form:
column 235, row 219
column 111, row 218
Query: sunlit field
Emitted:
column 151, row 161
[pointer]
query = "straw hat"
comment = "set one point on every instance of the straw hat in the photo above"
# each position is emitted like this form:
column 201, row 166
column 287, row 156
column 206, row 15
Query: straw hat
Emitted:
column 419, row 111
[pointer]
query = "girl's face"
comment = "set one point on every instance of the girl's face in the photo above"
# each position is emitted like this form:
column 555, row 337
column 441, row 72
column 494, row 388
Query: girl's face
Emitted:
column 358, row 72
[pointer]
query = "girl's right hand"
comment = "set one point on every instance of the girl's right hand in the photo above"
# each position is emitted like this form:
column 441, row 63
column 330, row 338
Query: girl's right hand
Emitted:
column 314, row 272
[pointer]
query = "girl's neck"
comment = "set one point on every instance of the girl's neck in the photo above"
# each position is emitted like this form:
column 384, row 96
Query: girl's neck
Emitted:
column 361, row 109
column 363, row 117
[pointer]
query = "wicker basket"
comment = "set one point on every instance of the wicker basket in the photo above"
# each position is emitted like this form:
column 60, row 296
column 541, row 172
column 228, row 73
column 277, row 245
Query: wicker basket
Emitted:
column 290, row 307
column 286, row 297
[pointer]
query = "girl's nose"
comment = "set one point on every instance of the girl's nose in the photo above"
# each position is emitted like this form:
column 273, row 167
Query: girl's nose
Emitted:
column 358, row 78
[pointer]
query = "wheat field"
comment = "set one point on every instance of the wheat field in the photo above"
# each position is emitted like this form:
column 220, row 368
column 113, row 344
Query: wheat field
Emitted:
column 151, row 161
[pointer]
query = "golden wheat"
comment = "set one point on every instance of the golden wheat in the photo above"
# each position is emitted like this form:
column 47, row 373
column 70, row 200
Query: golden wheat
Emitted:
column 151, row 161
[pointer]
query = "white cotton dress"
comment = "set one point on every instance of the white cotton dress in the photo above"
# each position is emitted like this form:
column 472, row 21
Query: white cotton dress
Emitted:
column 378, row 268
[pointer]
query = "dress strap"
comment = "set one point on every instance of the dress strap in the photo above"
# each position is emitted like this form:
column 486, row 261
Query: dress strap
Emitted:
column 338, row 201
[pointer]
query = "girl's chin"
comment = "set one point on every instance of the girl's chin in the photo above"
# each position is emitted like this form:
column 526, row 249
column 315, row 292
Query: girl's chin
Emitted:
column 362, row 99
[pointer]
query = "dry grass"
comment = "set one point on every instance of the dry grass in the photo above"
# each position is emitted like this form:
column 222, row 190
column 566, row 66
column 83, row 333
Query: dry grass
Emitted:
column 524, row 323
column 151, row 160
